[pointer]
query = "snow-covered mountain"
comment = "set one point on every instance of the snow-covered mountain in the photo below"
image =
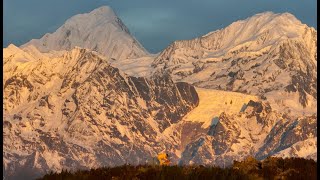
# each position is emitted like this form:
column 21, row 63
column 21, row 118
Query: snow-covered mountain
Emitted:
column 76, row 111
column 89, row 95
column 271, row 59
column 100, row 30
column 270, row 55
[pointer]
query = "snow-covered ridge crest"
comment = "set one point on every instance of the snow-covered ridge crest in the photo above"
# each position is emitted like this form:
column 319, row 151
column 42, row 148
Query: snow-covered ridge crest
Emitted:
column 265, row 18
column 257, row 32
column 100, row 30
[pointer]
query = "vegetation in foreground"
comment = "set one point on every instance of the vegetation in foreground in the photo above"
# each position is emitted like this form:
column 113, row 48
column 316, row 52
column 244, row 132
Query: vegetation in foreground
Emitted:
column 270, row 168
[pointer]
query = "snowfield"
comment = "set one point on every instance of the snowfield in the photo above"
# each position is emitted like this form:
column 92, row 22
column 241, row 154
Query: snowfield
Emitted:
column 213, row 102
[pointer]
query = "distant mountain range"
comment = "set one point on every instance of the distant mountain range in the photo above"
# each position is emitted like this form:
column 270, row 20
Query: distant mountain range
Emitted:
column 89, row 95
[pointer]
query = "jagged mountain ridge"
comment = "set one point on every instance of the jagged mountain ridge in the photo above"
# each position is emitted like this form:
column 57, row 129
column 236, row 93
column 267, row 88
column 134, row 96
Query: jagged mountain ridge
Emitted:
column 76, row 111
column 100, row 30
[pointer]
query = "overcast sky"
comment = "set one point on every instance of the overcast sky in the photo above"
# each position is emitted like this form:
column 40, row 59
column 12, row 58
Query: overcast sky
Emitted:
column 155, row 23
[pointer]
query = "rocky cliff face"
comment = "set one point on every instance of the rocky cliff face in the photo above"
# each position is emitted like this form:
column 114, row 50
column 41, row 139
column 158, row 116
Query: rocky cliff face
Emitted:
column 257, row 131
column 77, row 111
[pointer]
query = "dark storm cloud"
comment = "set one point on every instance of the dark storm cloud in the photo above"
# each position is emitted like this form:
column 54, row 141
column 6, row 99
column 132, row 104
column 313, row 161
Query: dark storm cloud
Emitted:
column 154, row 23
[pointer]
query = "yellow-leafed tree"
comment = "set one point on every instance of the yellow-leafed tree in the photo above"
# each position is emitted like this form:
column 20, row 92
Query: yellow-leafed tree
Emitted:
column 163, row 158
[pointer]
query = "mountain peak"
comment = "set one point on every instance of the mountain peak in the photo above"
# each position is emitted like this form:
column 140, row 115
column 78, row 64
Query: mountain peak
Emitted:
column 269, row 25
column 12, row 46
column 10, row 50
column 273, row 14
column 99, row 30
column 104, row 11
column 253, row 34
column 269, row 16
